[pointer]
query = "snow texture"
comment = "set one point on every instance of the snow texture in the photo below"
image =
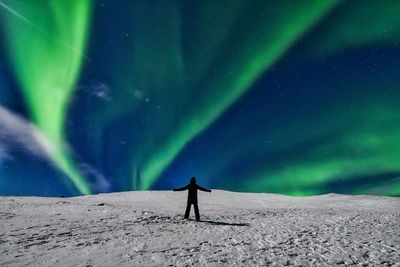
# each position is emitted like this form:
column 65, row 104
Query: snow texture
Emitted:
column 238, row 229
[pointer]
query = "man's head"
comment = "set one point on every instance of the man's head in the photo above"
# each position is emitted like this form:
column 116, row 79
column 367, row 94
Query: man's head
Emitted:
column 193, row 180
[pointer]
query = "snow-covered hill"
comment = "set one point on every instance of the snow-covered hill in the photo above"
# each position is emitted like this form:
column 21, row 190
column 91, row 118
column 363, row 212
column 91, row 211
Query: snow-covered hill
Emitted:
column 147, row 229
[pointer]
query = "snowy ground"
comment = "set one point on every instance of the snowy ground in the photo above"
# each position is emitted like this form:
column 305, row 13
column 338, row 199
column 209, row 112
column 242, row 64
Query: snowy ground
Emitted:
column 147, row 229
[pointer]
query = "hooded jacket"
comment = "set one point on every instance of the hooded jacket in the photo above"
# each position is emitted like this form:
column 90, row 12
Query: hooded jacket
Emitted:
column 192, row 190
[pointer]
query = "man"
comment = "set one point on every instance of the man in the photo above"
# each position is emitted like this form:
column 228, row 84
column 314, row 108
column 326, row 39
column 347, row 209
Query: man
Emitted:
column 192, row 197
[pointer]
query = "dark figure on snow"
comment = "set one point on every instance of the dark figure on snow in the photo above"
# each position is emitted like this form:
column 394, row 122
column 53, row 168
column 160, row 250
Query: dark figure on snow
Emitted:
column 192, row 197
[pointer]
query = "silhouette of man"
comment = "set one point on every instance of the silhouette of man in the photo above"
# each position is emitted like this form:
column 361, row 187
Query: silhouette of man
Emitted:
column 192, row 197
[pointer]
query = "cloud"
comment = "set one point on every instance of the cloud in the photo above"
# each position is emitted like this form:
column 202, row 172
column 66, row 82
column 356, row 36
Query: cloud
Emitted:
column 19, row 134
column 4, row 155
column 97, row 181
column 97, row 90
column 102, row 91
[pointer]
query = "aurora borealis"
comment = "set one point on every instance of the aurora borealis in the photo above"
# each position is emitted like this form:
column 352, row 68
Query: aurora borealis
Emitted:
column 56, row 34
column 287, row 97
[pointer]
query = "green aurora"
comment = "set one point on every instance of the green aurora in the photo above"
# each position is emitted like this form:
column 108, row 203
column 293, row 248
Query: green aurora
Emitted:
column 173, row 72
column 47, row 49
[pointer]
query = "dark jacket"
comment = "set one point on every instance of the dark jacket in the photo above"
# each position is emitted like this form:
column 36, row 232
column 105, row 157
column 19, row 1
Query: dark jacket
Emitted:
column 192, row 191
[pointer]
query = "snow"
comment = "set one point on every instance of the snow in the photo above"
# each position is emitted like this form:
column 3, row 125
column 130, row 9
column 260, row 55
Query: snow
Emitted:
column 146, row 228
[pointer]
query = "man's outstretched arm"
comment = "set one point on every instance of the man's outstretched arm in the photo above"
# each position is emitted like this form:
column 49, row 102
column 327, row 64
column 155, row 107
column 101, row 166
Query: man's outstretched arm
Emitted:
column 203, row 189
column 181, row 188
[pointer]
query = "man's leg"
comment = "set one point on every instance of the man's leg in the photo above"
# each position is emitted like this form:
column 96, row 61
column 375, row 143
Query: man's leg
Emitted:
column 187, row 212
column 196, row 211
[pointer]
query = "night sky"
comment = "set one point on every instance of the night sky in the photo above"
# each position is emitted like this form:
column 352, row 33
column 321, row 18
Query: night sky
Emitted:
column 293, row 97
